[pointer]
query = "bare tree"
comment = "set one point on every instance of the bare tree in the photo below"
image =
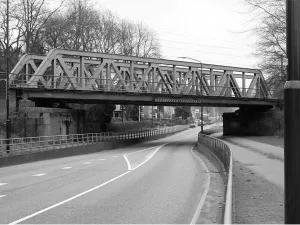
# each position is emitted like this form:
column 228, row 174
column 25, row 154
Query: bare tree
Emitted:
column 32, row 15
column 137, row 40
column 27, row 19
column 147, row 42
column 107, row 39
column 271, row 48
column 84, row 28
column 14, row 34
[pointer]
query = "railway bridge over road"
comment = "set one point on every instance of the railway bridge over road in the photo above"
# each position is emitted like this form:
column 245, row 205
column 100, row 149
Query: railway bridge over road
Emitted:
column 76, row 76
column 90, row 77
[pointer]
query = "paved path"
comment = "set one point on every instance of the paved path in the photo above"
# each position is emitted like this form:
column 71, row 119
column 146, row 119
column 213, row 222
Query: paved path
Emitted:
column 161, row 181
column 257, row 156
column 258, row 171
column 269, row 150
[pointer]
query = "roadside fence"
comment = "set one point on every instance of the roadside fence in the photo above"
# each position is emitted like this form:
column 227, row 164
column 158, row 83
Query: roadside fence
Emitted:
column 20, row 146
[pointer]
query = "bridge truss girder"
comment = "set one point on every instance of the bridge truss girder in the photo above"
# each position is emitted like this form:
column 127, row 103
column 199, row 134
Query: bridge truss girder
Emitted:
column 89, row 71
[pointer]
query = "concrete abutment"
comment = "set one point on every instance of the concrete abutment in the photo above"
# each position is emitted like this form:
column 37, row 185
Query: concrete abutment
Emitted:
column 253, row 121
column 29, row 120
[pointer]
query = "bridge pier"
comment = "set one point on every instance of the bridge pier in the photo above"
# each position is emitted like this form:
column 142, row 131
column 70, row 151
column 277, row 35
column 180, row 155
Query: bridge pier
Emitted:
column 40, row 121
column 253, row 121
column 30, row 119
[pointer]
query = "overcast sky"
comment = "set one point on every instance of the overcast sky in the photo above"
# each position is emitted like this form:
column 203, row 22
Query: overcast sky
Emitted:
column 212, row 31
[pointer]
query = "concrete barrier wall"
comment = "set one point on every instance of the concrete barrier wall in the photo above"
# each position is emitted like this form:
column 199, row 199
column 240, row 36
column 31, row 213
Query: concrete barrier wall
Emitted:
column 221, row 156
column 253, row 123
column 75, row 150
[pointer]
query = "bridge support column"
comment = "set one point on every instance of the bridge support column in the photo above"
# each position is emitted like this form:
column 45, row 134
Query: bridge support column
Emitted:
column 41, row 121
column 253, row 121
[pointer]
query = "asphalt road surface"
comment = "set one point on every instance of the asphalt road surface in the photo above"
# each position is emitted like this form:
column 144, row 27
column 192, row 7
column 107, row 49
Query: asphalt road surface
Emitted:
column 161, row 181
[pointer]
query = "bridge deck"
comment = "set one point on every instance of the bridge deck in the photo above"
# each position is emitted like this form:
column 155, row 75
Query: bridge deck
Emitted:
column 97, row 97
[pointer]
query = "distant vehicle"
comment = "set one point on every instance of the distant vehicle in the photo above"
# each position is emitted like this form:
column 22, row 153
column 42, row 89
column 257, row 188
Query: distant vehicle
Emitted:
column 199, row 123
column 192, row 125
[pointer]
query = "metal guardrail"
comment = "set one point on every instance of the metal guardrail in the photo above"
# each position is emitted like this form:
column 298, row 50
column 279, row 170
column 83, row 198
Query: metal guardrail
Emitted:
column 20, row 146
column 224, row 156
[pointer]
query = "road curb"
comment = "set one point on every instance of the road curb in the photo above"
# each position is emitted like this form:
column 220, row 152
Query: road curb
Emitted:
column 233, row 198
column 221, row 156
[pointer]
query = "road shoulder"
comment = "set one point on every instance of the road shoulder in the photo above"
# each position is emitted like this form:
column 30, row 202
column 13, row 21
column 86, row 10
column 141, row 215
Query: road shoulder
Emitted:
column 212, row 210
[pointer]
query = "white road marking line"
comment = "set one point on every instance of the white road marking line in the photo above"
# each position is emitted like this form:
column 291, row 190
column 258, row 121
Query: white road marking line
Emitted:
column 115, row 156
column 1, row 196
column 2, row 184
column 148, row 158
column 206, row 185
column 128, row 163
column 39, row 175
column 66, row 168
column 67, row 200
column 140, row 150
column 101, row 159
column 156, row 146
column 87, row 163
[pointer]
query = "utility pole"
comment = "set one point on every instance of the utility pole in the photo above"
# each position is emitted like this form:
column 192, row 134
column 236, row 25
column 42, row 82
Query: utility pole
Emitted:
column 201, row 101
column 7, row 80
column 292, row 116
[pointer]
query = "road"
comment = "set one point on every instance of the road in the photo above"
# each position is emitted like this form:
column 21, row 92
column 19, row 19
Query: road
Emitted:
column 161, row 181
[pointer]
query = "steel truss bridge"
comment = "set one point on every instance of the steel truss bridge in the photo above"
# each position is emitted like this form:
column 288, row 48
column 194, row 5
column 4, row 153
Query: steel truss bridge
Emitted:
column 89, row 77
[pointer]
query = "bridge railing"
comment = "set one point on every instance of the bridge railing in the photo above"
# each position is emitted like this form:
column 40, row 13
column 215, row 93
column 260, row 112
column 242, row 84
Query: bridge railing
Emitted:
column 19, row 146
column 221, row 154
column 125, row 86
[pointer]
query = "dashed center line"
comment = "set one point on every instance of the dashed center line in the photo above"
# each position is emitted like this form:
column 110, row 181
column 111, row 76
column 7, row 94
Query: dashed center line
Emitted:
column 67, row 200
column 39, row 175
column 101, row 159
column 66, row 168
column 87, row 163
column 2, row 184
column 1, row 196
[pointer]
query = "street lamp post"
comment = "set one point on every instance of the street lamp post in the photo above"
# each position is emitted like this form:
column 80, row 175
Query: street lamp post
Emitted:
column 200, row 89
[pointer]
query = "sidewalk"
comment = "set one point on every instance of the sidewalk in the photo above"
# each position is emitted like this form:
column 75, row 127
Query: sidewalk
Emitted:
column 271, row 151
column 258, row 181
column 257, row 156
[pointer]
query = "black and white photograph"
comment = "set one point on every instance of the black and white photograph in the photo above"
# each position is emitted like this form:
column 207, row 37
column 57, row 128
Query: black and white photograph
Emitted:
column 149, row 112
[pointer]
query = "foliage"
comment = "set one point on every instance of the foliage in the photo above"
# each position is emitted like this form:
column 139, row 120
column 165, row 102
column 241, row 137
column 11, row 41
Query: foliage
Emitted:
column 270, row 18
column 98, row 114
column 183, row 111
